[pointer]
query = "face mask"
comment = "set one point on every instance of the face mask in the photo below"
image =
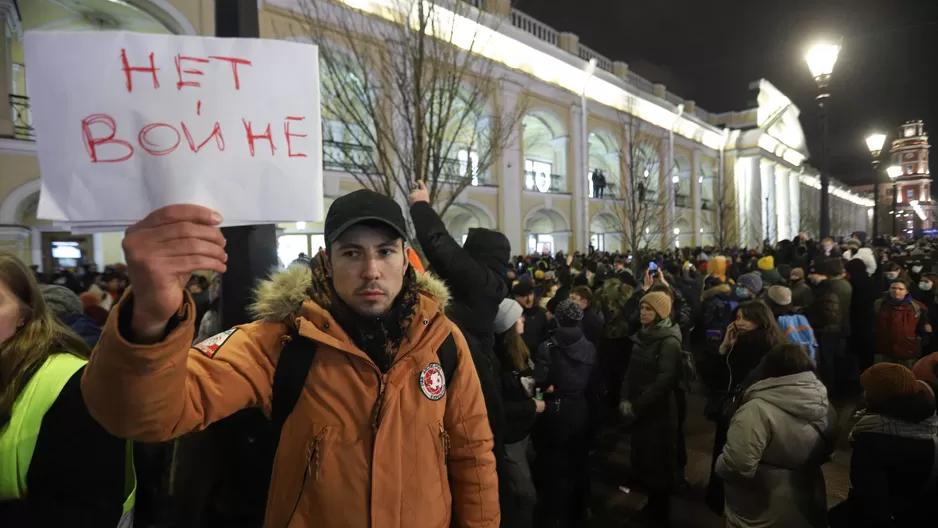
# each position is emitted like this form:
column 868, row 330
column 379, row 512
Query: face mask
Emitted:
column 815, row 281
column 924, row 286
column 916, row 269
column 892, row 275
column 742, row 292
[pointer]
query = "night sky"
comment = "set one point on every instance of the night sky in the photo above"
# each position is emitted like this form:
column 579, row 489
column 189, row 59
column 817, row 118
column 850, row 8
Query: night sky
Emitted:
column 709, row 51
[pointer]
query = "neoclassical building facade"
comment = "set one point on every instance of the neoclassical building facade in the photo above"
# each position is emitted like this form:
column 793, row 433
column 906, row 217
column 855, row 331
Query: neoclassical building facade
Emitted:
column 740, row 177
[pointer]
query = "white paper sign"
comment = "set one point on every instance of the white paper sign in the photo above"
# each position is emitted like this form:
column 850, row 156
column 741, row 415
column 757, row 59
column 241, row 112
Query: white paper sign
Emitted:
column 127, row 123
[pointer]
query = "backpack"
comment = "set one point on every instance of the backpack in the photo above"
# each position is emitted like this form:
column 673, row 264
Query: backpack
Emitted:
column 796, row 329
column 720, row 319
column 296, row 359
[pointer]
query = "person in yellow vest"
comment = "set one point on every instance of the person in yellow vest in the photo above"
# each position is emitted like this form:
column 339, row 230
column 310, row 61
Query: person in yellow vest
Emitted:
column 58, row 466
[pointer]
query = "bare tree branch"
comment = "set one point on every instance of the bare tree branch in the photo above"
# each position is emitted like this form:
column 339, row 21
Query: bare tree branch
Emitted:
column 402, row 103
column 643, row 204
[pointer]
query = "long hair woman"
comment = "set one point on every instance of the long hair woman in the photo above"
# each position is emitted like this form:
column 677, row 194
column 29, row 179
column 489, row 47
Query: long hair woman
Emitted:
column 57, row 465
column 748, row 339
column 521, row 409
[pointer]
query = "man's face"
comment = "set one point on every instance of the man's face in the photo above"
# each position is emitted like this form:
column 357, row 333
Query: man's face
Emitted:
column 113, row 285
column 579, row 300
column 526, row 301
column 898, row 290
column 367, row 266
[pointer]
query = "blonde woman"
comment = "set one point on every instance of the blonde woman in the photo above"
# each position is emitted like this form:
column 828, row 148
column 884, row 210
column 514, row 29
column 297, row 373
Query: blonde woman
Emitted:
column 58, row 467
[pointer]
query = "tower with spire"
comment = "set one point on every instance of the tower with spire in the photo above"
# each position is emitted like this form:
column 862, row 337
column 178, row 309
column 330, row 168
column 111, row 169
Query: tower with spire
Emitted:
column 913, row 187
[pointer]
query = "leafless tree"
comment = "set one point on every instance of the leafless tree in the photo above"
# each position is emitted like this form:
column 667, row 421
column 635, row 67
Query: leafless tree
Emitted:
column 644, row 202
column 407, row 97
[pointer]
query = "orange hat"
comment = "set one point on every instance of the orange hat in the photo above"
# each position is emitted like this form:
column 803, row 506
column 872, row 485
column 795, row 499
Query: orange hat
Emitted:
column 415, row 261
column 89, row 299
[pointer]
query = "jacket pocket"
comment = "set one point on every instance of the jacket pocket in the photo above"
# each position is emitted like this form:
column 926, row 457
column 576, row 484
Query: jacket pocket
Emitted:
column 315, row 452
column 441, row 441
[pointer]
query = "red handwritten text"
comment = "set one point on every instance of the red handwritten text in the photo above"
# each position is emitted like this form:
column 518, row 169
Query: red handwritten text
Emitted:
column 181, row 71
column 161, row 139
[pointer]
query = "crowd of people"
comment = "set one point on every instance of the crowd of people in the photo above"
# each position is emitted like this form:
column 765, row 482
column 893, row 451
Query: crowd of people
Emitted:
column 469, row 394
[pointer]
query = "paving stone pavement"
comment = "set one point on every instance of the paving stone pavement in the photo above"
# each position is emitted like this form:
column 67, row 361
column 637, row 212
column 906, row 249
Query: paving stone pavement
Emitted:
column 612, row 508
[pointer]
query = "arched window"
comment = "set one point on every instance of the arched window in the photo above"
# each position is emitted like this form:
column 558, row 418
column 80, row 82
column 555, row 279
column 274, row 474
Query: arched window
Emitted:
column 347, row 128
column 647, row 164
column 680, row 176
column 603, row 175
column 545, row 152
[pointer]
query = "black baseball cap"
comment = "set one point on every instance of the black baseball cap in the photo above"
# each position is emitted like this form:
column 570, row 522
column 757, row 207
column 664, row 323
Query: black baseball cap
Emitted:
column 363, row 206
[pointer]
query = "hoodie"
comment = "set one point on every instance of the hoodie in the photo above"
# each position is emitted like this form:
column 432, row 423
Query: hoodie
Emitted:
column 771, row 438
column 568, row 358
column 717, row 267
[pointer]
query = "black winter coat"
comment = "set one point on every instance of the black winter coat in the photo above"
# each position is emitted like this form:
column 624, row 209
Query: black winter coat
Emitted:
column 477, row 290
column 76, row 476
column 888, row 472
column 536, row 328
column 520, row 409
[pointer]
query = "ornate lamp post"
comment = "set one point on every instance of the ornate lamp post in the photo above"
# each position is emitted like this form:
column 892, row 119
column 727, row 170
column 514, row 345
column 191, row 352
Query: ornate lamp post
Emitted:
column 821, row 59
column 875, row 142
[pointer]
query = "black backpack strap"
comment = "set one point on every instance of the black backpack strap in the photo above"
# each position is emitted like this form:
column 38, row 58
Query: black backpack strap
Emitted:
column 296, row 358
column 447, row 355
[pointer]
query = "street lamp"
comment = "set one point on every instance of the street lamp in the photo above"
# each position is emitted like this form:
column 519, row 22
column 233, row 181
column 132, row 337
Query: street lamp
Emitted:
column 875, row 143
column 894, row 171
column 821, row 59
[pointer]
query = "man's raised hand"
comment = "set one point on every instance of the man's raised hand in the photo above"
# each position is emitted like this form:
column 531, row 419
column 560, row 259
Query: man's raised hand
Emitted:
column 162, row 251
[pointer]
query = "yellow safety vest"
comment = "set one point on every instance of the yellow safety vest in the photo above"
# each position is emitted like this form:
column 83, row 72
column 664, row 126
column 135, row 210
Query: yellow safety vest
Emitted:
column 18, row 437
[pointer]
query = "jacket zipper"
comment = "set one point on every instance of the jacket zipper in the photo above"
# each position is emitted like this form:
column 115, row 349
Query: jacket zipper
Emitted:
column 312, row 459
column 444, row 437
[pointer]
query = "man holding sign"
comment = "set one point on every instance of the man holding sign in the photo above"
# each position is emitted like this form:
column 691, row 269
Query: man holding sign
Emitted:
column 390, row 428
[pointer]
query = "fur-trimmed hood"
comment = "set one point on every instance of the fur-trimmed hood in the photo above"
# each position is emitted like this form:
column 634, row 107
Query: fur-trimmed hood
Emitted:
column 722, row 289
column 284, row 293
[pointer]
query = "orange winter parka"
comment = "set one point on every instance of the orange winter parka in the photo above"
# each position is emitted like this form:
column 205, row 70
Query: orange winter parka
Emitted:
column 362, row 448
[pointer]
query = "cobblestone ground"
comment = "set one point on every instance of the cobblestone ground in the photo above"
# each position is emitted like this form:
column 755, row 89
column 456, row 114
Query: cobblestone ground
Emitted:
column 612, row 508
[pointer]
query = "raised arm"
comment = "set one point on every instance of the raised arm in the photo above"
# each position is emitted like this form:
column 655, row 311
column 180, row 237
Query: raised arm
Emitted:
column 143, row 381
column 449, row 260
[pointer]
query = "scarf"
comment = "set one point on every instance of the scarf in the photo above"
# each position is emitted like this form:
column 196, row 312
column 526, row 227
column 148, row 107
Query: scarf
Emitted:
column 906, row 300
column 378, row 337
column 878, row 423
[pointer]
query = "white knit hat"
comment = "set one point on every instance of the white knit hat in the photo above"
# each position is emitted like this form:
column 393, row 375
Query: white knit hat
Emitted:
column 509, row 311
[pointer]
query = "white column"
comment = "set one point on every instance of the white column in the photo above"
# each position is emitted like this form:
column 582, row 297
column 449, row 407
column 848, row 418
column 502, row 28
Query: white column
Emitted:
column 97, row 240
column 9, row 25
column 511, row 184
column 35, row 249
column 667, row 168
column 580, row 225
column 794, row 203
column 756, row 230
column 768, row 198
column 695, row 173
column 782, row 199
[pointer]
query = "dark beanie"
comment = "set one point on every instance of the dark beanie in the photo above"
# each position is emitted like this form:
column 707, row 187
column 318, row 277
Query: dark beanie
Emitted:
column 831, row 266
column 489, row 248
column 60, row 300
column 568, row 313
